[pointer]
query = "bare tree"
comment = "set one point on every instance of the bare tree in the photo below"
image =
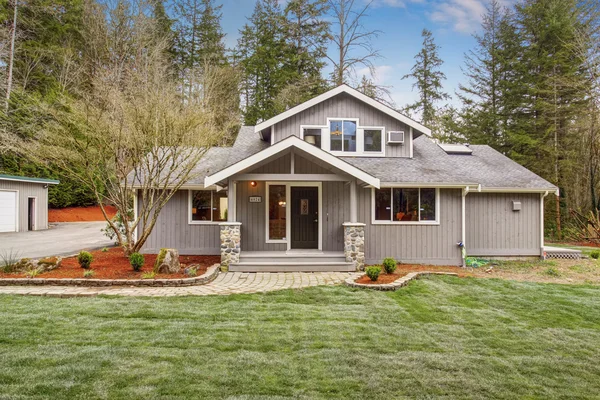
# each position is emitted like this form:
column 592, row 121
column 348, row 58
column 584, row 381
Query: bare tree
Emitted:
column 353, row 47
column 131, row 133
column 11, row 54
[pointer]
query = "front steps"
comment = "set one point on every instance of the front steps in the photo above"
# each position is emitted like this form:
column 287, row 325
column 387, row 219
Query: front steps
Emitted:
column 292, row 261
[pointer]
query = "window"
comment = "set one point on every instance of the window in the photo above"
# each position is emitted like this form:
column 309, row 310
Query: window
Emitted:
column 277, row 206
column 372, row 140
column 342, row 135
column 208, row 206
column 312, row 136
column 405, row 205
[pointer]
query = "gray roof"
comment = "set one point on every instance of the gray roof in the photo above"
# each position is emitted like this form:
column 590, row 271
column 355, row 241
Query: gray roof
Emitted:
column 431, row 164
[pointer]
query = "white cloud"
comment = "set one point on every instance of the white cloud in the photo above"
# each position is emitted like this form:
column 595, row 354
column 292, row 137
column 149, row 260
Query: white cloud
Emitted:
column 394, row 3
column 463, row 16
column 381, row 74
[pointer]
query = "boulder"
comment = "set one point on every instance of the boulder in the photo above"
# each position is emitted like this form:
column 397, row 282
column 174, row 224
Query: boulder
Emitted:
column 167, row 262
column 42, row 265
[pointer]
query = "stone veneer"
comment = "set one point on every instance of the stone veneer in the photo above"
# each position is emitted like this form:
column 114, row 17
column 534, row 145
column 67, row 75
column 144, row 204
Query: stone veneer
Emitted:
column 231, row 241
column 354, row 244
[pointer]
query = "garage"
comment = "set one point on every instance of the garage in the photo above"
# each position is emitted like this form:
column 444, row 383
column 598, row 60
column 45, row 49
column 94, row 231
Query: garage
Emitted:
column 24, row 203
column 8, row 211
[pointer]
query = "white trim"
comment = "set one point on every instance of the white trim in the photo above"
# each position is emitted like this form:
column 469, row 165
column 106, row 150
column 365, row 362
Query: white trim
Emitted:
column 328, row 137
column 288, row 211
column 542, row 197
column 35, row 213
column 31, row 180
column 383, row 144
column 293, row 177
column 334, row 92
column 410, row 134
column 428, row 185
column 519, row 190
column 17, row 195
column 391, row 222
column 189, row 206
column 296, row 142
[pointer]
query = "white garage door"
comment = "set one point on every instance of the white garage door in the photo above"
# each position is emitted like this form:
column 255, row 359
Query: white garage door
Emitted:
column 8, row 211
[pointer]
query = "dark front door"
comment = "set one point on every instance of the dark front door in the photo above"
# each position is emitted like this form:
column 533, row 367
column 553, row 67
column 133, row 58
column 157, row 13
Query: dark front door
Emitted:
column 305, row 217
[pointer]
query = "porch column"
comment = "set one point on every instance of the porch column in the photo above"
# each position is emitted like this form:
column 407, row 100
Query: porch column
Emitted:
column 353, row 202
column 354, row 244
column 231, row 211
column 231, row 241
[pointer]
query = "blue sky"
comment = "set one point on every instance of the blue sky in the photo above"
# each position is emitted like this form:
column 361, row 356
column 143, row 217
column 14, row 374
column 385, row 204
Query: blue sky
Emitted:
column 401, row 22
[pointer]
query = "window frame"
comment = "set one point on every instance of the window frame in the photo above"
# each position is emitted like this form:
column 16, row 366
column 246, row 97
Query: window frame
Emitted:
column 212, row 197
column 287, row 201
column 391, row 221
column 383, row 140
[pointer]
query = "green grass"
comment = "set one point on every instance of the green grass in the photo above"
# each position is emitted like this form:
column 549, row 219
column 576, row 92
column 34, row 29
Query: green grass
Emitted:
column 438, row 337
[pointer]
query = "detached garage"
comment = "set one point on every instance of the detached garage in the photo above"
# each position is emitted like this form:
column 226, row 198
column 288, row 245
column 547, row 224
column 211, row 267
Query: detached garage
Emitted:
column 23, row 203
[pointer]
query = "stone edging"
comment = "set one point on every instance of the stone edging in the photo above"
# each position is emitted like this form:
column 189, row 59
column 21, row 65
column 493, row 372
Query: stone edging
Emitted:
column 397, row 284
column 210, row 275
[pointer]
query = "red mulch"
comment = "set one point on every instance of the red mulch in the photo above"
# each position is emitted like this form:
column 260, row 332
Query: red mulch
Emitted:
column 80, row 214
column 112, row 264
column 403, row 269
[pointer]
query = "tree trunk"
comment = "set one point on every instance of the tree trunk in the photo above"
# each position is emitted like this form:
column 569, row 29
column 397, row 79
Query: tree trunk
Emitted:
column 11, row 55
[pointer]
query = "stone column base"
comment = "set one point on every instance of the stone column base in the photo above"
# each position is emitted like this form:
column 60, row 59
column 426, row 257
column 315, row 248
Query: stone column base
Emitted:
column 354, row 244
column 231, row 242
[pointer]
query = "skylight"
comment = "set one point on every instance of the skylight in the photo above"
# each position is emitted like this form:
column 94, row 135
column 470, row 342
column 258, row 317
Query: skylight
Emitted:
column 456, row 148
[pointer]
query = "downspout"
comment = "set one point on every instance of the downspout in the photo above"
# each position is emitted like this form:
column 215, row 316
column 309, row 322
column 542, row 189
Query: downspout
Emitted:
column 463, row 249
column 542, row 252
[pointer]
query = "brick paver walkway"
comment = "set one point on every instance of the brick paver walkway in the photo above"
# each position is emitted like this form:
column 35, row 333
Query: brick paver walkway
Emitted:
column 226, row 283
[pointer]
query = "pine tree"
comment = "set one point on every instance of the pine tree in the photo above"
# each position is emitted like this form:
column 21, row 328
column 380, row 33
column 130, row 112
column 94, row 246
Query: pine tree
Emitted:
column 426, row 72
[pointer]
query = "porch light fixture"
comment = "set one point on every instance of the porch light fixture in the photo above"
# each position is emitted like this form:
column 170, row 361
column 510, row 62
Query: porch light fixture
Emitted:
column 253, row 183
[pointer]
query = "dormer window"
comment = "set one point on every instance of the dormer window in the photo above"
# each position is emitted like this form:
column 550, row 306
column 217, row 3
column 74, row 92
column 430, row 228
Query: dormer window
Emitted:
column 346, row 137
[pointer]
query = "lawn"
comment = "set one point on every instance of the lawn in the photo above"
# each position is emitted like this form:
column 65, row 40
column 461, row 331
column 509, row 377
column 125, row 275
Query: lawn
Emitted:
column 440, row 336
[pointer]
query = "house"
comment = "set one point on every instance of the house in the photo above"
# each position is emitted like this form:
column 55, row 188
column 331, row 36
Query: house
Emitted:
column 343, row 180
column 24, row 203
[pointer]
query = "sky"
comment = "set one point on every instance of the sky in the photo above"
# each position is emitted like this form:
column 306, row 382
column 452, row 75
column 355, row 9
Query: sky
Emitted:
column 452, row 22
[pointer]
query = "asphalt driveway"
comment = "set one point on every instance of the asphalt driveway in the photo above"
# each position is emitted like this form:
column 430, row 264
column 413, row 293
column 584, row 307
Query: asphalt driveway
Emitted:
column 61, row 239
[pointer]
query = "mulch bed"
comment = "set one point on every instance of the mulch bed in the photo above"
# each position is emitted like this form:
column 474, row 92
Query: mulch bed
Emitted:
column 80, row 214
column 112, row 264
column 403, row 269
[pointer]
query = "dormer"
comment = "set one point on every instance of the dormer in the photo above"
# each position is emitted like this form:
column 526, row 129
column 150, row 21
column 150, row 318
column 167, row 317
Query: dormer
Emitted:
column 347, row 123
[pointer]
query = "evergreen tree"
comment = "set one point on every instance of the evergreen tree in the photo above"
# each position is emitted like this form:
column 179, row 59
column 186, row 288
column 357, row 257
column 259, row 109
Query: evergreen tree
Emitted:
column 426, row 72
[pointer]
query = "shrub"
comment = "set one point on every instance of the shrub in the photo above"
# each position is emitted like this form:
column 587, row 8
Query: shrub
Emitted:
column 85, row 259
column 373, row 272
column 389, row 265
column 105, row 249
column 32, row 273
column 595, row 254
column 9, row 259
column 88, row 273
column 551, row 271
column 137, row 261
column 148, row 275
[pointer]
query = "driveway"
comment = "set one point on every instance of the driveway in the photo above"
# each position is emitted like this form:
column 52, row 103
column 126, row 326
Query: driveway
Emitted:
column 64, row 238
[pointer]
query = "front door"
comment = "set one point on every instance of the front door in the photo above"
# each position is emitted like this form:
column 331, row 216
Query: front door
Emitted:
column 305, row 217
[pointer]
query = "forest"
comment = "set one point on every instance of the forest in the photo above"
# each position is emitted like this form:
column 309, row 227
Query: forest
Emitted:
column 89, row 87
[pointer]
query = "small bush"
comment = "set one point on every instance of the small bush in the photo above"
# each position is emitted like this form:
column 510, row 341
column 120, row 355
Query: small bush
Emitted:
column 595, row 254
column 137, row 261
column 373, row 272
column 191, row 271
column 9, row 259
column 551, row 271
column 88, row 273
column 105, row 249
column 389, row 265
column 32, row 273
column 148, row 275
column 85, row 259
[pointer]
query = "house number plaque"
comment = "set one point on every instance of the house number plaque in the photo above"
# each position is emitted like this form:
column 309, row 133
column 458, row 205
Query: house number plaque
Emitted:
column 303, row 206
column 255, row 199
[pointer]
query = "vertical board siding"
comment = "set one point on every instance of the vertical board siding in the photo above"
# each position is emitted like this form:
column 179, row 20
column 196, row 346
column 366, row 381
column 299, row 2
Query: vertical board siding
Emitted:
column 336, row 211
column 26, row 190
column 345, row 106
column 172, row 230
column 494, row 229
column 280, row 165
column 425, row 244
column 304, row 166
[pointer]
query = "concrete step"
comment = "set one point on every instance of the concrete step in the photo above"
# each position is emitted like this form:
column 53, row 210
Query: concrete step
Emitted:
column 287, row 266
column 292, row 257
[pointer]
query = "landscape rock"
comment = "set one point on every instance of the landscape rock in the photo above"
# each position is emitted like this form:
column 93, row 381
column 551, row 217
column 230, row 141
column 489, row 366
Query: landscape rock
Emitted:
column 167, row 262
column 42, row 265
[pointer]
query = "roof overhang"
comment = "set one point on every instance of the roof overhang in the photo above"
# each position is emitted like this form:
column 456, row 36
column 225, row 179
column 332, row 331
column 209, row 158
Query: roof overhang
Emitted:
column 25, row 179
column 334, row 92
column 291, row 142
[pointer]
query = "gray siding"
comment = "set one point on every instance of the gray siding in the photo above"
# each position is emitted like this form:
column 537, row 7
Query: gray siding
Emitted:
column 494, row 229
column 26, row 190
column 345, row 106
column 280, row 165
column 304, row 166
column 173, row 230
column 423, row 244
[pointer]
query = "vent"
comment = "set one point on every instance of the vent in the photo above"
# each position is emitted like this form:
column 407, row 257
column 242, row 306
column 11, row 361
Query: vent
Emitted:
column 396, row 137
column 456, row 148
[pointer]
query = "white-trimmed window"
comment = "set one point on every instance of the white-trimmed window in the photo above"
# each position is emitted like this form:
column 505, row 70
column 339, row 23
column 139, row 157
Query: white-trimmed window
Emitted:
column 207, row 206
column 276, row 213
column 405, row 206
column 343, row 134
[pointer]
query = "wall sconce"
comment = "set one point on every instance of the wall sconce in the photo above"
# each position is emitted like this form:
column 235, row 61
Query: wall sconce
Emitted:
column 253, row 183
